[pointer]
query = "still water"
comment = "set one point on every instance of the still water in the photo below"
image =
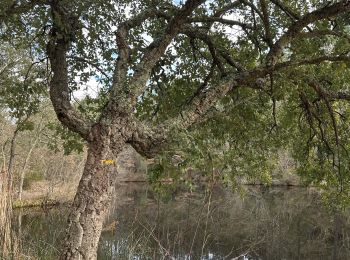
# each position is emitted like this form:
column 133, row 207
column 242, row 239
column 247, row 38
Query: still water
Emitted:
column 266, row 223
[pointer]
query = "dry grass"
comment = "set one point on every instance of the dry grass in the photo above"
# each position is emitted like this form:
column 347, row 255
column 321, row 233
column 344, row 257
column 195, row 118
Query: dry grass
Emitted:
column 47, row 193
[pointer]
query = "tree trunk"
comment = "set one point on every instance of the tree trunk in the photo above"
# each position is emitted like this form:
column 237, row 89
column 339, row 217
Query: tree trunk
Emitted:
column 91, row 201
column 6, row 180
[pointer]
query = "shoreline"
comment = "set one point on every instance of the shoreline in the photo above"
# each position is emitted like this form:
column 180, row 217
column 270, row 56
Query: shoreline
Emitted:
column 45, row 202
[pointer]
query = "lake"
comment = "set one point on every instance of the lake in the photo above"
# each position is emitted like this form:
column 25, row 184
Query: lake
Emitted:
column 263, row 223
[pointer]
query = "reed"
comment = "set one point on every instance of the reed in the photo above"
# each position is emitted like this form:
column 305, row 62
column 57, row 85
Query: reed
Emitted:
column 5, row 214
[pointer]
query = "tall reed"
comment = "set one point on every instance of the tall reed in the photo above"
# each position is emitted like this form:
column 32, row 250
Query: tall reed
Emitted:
column 5, row 214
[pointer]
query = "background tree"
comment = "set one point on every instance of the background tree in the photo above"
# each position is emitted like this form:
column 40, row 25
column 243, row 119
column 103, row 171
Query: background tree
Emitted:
column 20, row 93
column 255, row 74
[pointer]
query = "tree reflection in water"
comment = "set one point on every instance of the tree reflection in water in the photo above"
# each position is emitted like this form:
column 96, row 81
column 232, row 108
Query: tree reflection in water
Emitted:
column 267, row 223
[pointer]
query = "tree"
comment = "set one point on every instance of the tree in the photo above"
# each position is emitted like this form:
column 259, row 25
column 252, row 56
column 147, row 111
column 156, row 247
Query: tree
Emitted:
column 174, row 66
column 21, row 91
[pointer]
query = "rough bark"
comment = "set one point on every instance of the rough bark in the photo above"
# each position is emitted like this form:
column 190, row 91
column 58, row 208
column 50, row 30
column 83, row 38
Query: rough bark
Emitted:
column 93, row 197
column 6, row 187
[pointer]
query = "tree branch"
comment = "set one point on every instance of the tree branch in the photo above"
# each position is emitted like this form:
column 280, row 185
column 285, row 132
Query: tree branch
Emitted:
column 319, row 33
column 266, row 22
column 57, row 48
column 148, row 141
column 219, row 20
column 156, row 49
column 286, row 9
column 296, row 27
column 327, row 94
column 205, row 100
column 318, row 60
column 227, row 8
column 202, row 35
column 92, row 64
column 121, row 66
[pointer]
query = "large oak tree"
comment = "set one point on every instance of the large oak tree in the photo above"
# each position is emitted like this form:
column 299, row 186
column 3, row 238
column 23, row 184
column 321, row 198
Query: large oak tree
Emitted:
column 166, row 66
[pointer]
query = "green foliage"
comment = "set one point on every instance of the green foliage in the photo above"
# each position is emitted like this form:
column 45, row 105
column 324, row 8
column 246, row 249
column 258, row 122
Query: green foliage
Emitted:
column 231, row 147
column 70, row 141
column 23, row 82
column 26, row 126
column 92, row 107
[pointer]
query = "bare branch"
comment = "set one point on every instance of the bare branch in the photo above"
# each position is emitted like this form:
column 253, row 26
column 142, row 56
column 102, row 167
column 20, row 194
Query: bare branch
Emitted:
column 217, row 17
column 120, row 89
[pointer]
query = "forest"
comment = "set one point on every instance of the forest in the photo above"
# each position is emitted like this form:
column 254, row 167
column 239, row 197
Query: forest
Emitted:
column 117, row 115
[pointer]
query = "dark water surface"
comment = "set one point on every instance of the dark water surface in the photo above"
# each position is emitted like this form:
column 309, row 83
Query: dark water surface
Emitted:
column 267, row 223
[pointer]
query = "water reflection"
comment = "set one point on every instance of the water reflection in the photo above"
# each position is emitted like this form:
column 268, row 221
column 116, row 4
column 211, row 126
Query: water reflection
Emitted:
column 275, row 223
